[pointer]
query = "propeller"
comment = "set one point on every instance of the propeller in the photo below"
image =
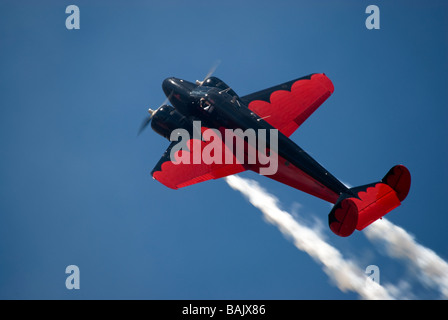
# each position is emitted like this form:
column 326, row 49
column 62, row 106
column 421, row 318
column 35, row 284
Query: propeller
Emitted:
column 210, row 72
column 151, row 112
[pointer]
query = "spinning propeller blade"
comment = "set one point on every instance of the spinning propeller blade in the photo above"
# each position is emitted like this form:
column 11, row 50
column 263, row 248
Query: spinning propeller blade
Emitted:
column 210, row 72
column 151, row 112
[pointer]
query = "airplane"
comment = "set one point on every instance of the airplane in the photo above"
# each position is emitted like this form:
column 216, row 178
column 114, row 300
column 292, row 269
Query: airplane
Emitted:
column 282, row 108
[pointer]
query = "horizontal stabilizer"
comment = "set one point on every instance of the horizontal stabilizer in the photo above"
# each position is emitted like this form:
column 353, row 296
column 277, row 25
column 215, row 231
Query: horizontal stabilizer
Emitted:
column 369, row 203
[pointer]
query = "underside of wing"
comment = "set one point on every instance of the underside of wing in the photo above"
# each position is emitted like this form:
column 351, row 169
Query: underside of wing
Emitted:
column 192, row 161
column 288, row 105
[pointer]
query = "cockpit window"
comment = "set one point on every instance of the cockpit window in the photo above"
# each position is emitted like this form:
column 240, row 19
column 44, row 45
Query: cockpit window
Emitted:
column 200, row 91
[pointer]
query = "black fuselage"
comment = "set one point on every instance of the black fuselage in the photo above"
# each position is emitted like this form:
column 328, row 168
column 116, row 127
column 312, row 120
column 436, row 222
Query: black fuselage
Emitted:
column 217, row 106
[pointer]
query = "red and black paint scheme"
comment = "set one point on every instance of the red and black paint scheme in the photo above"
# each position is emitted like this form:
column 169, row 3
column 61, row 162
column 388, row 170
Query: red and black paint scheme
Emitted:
column 283, row 107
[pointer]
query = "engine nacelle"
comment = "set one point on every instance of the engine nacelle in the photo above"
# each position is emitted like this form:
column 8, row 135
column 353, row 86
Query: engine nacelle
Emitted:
column 167, row 119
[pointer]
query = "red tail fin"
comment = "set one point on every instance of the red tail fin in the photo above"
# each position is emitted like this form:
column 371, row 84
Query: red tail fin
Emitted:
column 370, row 203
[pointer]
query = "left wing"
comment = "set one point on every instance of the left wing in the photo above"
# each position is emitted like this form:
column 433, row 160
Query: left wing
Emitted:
column 175, row 174
column 288, row 105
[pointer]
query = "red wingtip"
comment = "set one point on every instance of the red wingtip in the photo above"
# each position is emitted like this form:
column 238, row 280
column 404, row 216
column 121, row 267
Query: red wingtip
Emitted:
column 325, row 81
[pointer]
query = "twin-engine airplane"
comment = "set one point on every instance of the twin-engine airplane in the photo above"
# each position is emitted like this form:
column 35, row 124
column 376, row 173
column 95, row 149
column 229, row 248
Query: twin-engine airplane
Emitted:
column 283, row 107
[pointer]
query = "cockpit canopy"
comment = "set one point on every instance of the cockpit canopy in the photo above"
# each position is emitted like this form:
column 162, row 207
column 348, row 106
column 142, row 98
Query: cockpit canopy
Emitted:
column 200, row 91
column 218, row 83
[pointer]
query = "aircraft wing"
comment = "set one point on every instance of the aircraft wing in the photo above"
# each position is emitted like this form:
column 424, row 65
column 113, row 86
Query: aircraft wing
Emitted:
column 288, row 105
column 176, row 174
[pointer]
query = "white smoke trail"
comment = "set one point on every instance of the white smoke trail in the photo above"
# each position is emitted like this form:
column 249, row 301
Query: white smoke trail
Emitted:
column 431, row 269
column 345, row 273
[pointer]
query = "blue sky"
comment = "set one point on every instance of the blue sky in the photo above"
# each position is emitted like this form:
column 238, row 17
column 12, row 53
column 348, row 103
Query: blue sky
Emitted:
column 75, row 184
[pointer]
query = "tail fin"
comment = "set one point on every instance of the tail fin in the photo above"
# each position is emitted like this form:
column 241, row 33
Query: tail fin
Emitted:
column 370, row 202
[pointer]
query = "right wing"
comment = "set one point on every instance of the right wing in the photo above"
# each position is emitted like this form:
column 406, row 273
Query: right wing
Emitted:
column 288, row 105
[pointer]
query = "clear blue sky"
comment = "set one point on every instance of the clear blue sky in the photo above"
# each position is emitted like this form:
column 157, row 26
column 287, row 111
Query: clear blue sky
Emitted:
column 75, row 184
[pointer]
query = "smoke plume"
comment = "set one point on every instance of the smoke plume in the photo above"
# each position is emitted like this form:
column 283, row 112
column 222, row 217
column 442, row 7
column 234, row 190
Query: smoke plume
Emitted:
column 345, row 273
column 427, row 266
